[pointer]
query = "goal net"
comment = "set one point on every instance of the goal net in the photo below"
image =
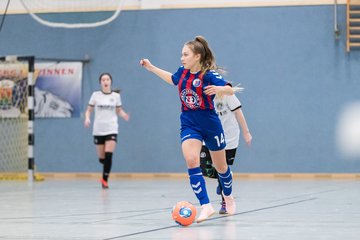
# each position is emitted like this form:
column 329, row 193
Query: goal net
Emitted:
column 73, row 13
column 16, row 160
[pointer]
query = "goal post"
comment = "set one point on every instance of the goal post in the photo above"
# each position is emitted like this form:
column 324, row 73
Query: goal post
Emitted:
column 17, row 80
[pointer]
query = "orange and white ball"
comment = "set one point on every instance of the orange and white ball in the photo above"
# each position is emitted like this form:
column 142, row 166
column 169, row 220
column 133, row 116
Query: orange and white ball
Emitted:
column 184, row 213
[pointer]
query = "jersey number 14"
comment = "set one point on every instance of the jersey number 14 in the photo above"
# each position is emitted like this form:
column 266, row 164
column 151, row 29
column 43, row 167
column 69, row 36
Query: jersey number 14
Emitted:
column 221, row 140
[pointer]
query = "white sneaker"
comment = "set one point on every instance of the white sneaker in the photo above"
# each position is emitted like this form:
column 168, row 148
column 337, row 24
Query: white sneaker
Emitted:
column 206, row 211
column 230, row 204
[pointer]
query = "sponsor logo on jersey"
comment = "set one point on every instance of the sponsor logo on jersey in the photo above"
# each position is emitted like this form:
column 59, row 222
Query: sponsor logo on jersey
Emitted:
column 219, row 106
column 105, row 107
column 191, row 99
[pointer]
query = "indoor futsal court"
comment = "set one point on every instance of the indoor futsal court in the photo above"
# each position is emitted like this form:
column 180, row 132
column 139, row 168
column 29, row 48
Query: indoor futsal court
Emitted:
column 267, row 209
column 94, row 145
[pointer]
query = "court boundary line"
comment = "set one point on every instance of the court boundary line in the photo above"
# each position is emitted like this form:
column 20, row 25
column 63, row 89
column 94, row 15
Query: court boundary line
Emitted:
column 216, row 218
column 56, row 175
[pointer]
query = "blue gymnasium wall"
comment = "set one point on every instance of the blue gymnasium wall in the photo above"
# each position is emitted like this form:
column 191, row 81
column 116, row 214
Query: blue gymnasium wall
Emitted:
column 297, row 79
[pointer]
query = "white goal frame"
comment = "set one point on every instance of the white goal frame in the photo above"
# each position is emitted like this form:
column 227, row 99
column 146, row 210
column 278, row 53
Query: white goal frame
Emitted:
column 30, row 103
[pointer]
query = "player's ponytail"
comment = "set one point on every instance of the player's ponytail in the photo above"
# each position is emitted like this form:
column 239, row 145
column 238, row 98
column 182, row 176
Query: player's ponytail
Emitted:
column 207, row 61
column 237, row 88
column 207, row 58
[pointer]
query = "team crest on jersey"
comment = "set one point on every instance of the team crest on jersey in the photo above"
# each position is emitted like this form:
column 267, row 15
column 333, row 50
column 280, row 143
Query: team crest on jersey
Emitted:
column 219, row 106
column 190, row 98
column 196, row 82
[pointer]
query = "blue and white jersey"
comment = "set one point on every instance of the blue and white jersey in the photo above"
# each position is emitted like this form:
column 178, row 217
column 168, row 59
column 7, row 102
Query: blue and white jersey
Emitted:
column 191, row 88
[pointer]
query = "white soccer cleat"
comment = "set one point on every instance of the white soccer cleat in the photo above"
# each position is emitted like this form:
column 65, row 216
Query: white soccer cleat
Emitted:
column 230, row 204
column 206, row 211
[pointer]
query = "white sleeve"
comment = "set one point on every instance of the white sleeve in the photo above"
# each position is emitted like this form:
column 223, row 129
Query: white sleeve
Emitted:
column 233, row 102
column 92, row 101
column 118, row 101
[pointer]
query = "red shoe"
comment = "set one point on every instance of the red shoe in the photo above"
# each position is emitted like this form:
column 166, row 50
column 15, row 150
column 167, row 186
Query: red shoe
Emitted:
column 104, row 183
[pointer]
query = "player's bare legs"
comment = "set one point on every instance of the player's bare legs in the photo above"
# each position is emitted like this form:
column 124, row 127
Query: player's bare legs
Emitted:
column 219, row 160
column 110, row 146
column 100, row 149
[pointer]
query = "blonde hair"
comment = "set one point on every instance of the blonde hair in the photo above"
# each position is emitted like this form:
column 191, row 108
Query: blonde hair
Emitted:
column 207, row 59
column 236, row 89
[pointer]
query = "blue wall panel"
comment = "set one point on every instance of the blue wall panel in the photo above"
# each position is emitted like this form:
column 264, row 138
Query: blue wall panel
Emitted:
column 297, row 79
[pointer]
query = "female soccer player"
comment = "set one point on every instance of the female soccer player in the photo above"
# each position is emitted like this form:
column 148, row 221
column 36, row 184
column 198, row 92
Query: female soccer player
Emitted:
column 231, row 116
column 107, row 104
column 198, row 82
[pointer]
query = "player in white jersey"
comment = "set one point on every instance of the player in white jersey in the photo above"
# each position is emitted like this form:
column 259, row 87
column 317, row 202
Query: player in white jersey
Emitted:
column 228, row 108
column 108, row 106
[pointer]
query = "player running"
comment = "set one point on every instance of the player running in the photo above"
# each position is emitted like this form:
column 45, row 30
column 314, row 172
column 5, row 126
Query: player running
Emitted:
column 107, row 105
column 198, row 82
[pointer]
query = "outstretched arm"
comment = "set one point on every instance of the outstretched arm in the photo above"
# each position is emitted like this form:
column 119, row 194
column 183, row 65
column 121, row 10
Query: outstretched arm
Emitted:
column 221, row 90
column 244, row 128
column 164, row 75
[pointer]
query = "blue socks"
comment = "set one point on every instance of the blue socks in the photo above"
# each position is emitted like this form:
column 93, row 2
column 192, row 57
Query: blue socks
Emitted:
column 226, row 181
column 197, row 183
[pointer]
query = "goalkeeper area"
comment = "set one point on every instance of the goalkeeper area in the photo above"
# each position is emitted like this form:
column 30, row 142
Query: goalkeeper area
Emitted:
column 16, row 118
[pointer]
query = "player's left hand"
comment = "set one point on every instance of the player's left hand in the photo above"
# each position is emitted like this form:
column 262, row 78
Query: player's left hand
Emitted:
column 247, row 138
column 212, row 89
column 126, row 117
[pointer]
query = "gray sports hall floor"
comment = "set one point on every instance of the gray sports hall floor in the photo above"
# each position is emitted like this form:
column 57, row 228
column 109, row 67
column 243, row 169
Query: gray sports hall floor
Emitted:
column 141, row 209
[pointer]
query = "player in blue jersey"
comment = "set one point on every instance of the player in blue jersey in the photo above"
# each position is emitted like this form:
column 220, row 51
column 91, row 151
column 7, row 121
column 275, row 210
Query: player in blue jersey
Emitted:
column 198, row 82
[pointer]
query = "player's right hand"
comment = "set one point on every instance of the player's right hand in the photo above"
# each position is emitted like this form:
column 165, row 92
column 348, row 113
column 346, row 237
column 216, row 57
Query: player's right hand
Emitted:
column 145, row 63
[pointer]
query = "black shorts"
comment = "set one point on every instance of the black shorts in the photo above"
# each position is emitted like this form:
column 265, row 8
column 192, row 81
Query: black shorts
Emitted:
column 100, row 140
column 206, row 164
column 230, row 156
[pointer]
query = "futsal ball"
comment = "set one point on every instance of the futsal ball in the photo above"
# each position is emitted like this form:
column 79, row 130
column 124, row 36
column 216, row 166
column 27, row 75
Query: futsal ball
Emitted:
column 184, row 213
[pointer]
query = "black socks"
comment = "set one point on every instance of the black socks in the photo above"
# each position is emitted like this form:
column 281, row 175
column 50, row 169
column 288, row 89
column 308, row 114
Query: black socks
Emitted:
column 107, row 165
